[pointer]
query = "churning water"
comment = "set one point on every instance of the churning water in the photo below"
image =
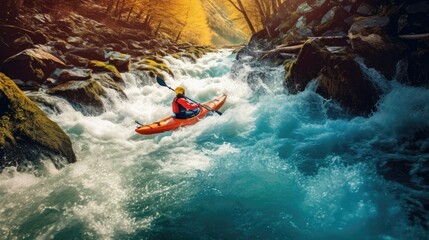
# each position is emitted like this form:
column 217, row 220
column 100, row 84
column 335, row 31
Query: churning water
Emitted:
column 273, row 166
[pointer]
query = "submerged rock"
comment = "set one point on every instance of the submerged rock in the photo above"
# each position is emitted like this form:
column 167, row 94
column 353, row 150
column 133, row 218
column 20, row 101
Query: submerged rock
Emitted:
column 27, row 135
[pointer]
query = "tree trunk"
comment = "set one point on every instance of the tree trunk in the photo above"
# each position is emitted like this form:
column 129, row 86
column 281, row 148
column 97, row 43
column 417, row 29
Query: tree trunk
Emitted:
column 131, row 10
column 157, row 29
column 246, row 17
column 116, row 7
column 261, row 12
column 178, row 35
column 121, row 9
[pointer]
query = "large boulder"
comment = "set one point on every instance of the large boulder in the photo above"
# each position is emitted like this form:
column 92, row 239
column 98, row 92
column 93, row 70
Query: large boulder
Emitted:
column 310, row 61
column 84, row 96
column 340, row 77
column 27, row 135
column 372, row 38
column 343, row 80
column 31, row 65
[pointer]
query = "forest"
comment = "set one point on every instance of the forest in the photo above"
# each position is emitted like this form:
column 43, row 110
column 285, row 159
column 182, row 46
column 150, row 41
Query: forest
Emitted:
column 181, row 20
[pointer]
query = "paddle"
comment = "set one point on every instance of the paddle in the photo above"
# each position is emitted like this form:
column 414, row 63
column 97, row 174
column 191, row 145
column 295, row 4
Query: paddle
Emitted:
column 162, row 83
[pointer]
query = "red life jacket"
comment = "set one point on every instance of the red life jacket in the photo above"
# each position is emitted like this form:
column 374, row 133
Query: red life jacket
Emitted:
column 177, row 107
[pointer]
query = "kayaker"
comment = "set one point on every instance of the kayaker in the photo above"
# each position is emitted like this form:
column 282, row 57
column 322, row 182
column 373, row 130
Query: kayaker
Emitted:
column 182, row 108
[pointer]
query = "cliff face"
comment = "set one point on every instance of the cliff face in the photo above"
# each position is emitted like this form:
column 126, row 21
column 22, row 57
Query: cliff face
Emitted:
column 27, row 135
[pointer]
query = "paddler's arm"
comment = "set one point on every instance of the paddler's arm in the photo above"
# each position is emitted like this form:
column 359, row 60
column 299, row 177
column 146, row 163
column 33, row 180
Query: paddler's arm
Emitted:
column 186, row 104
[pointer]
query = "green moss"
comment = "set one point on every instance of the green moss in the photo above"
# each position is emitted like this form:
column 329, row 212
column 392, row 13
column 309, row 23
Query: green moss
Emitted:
column 175, row 55
column 99, row 66
column 153, row 66
column 198, row 53
column 39, row 73
column 24, row 119
column 288, row 68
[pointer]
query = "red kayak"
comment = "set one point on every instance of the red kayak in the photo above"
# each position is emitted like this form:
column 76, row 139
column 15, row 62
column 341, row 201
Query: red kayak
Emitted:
column 170, row 123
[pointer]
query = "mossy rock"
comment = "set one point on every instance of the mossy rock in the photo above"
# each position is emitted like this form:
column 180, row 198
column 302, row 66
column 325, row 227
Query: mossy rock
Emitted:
column 189, row 56
column 288, row 66
column 198, row 53
column 176, row 56
column 99, row 66
column 84, row 96
column 107, row 82
column 26, row 133
column 153, row 66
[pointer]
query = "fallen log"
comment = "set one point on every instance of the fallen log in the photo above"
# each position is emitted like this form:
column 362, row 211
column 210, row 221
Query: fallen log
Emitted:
column 414, row 36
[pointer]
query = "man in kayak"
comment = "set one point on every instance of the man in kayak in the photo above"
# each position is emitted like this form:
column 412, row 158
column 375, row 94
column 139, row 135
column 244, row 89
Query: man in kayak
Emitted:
column 181, row 107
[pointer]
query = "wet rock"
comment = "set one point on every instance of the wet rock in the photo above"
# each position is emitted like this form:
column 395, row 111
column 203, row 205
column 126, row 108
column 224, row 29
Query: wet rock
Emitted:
column 75, row 41
column 153, row 66
column 76, row 60
column 343, row 80
column 333, row 20
column 91, row 53
column 26, row 134
column 107, row 81
column 22, row 43
column 39, row 37
column 100, row 67
column 121, row 61
column 310, row 61
column 31, row 65
column 370, row 37
column 365, row 9
column 76, row 74
column 84, row 96
column 61, row 45
column 339, row 77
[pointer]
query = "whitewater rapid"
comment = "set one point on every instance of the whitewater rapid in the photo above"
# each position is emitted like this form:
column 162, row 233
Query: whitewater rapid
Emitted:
column 273, row 166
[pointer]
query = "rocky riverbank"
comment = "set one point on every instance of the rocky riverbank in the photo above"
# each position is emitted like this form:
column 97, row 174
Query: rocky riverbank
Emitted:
column 323, row 40
column 334, row 42
column 73, row 56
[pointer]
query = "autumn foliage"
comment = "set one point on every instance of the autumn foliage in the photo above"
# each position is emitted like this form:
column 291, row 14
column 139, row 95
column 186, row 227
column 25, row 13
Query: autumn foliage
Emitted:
column 181, row 20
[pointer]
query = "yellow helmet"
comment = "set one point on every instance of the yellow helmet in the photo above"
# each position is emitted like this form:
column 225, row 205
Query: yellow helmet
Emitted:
column 180, row 91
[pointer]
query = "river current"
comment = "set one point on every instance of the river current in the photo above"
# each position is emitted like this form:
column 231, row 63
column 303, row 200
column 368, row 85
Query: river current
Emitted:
column 273, row 166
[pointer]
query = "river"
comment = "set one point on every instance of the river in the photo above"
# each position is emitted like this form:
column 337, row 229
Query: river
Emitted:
column 273, row 166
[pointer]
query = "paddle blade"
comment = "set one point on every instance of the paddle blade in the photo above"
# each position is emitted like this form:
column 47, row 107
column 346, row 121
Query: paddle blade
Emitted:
column 220, row 114
column 161, row 81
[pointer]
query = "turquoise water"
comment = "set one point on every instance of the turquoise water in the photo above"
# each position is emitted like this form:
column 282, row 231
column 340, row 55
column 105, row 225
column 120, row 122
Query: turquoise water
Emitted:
column 273, row 166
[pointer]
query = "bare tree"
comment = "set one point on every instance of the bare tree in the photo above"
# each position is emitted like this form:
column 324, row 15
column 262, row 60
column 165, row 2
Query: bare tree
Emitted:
column 240, row 7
